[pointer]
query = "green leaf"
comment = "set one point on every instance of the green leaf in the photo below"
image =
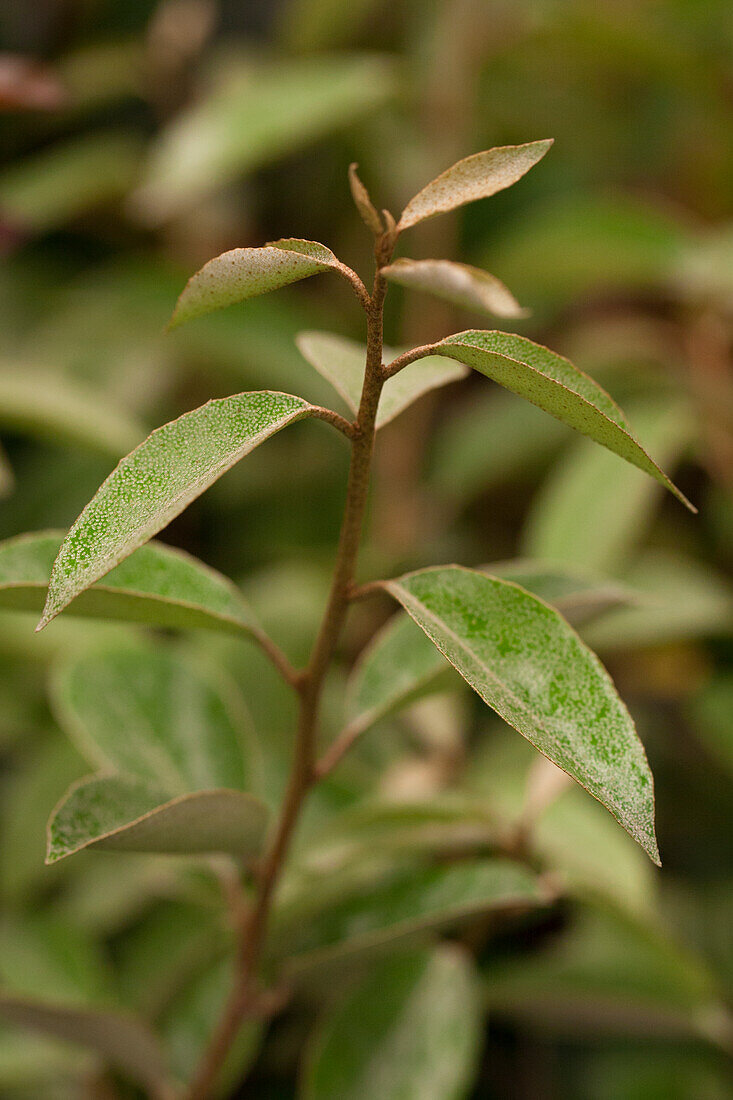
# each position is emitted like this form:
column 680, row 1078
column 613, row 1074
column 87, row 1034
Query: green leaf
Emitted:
column 468, row 287
column 552, row 382
column 248, row 272
column 400, row 664
column 609, row 974
column 188, row 1025
column 411, row 1030
column 54, row 981
column 341, row 362
column 157, row 718
column 50, row 188
column 526, row 662
column 158, row 480
column 591, row 511
column 124, row 1042
column 475, row 177
column 123, row 815
column 254, row 116
column 46, row 406
column 682, row 599
column 307, row 931
column 158, row 585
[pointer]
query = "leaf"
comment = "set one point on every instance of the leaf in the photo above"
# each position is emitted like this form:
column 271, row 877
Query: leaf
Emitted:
column 468, row 287
column 306, row 932
column 410, row 1030
column 527, row 664
column 50, row 188
column 54, row 981
column 401, row 664
column 610, row 974
column 155, row 717
column 254, row 116
column 552, row 382
column 475, row 177
column 188, row 1025
column 248, row 272
column 119, row 814
column 158, row 480
column 363, row 203
column 158, row 585
column 591, row 511
column 124, row 1042
column 46, row 406
column 682, row 599
column 342, row 361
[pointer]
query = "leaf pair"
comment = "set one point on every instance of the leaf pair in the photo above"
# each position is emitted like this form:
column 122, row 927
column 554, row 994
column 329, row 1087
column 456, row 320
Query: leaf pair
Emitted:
column 177, row 754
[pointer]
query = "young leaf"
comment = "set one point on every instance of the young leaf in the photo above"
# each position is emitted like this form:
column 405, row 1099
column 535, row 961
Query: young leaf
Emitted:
column 124, row 815
column 158, row 480
column 401, row 664
column 475, row 177
column 465, row 286
column 155, row 717
column 158, row 585
column 552, row 382
column 46, row 406
column 248, row 272
column 410, row 1030
column 528, row 665
column 363, row 203
column 341, row 362
column 306, row 932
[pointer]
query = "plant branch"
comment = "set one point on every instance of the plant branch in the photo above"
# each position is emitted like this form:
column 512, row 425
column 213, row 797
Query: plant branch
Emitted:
column 406, row 358
column 246, row 995
column 331, row 417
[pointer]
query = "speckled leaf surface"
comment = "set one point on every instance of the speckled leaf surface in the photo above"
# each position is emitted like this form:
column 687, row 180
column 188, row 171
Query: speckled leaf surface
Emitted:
column 47, row 406
column 527, row 664
column 465, row 286
column 401, row 664
column 248, row 272
column 410, row 1030
column 341, row 361
column 308, row 931
column 555, row 385
column 155, row 716
column 157, row 585
column 121, row 814
column 158, row 480
column 475, row 177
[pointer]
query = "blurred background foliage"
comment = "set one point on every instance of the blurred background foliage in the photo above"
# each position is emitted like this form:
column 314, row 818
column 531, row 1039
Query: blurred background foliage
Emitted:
column 141, row 138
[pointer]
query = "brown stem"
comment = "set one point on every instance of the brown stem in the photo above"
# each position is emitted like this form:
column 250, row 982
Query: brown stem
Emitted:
column 406, row 358
column 245, row 997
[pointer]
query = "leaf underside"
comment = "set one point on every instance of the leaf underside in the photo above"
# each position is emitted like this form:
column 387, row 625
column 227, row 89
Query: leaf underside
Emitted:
column 462, row 285
column 528, row 665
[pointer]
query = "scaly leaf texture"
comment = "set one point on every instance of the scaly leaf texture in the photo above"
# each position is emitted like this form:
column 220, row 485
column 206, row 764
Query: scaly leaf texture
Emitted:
column 475, row 177
column 248, row 272
column 158, row 480
column 158, row 585
column 529, row 666
column 552, row 382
